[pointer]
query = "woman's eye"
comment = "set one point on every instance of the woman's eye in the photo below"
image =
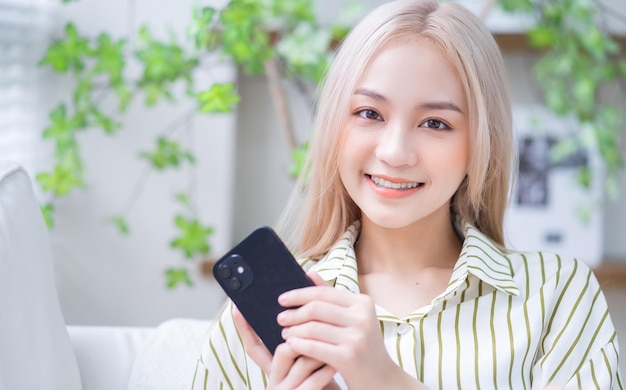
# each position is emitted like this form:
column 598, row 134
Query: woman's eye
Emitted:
column 369, row 114
column 435, row 124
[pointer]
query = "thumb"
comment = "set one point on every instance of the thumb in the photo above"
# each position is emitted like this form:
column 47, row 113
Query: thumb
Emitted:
column 316, row 279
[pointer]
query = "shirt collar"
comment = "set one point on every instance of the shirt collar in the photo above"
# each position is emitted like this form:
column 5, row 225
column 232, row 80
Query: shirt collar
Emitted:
column 479, row 257
column 483, row 259
column 339, row 266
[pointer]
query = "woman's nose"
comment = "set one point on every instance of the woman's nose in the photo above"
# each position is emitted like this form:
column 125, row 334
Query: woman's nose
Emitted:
column 396, row 146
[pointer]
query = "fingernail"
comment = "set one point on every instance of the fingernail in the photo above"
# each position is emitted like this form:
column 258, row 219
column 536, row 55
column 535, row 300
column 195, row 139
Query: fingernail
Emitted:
column 281, row 317
column 284, row 333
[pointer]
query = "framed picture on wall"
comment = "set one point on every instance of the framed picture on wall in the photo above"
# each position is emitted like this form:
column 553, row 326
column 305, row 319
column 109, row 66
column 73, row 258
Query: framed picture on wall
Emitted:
column 547, row 202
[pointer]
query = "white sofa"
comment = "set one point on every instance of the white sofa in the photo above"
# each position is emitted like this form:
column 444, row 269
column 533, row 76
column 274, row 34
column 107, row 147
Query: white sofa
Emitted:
column 39, row 351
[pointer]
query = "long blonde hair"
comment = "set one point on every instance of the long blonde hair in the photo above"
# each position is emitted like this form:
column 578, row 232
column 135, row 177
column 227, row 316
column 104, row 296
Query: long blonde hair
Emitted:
column 320, row 209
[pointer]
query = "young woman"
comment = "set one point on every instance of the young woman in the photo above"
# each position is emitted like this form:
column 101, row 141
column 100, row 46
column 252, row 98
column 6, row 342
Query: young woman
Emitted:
column 402, row 232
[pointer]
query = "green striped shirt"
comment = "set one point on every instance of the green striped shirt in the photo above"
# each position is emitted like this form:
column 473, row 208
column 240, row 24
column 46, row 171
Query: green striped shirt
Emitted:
column 505, row 321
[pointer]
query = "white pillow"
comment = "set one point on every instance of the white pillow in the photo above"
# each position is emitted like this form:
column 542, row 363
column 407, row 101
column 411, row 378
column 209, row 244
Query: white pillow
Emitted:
column 168, row 359
column 35, row 348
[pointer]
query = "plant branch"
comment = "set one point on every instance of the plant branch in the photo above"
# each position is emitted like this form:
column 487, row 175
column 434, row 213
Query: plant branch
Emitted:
column 179, row 122
column 137, row 190
column 182, row 121
column 280, row 102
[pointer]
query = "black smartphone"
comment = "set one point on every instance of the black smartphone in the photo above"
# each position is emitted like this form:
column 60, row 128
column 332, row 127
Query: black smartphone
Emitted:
column 253, row 274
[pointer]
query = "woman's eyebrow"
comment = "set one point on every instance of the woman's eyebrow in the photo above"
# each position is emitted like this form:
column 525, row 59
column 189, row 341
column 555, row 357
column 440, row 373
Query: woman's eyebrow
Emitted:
column 443, row 105
column 434, row 105
column 369, row 93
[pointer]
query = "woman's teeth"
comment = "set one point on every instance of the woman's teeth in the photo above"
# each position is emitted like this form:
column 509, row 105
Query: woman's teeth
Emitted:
column 396, row 186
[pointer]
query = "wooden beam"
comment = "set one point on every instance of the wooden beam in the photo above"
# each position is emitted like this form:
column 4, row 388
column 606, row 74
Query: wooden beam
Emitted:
column 611, row 274
column 517, row 42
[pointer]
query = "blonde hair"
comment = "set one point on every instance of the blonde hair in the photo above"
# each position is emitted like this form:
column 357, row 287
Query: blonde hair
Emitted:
column 313, row 227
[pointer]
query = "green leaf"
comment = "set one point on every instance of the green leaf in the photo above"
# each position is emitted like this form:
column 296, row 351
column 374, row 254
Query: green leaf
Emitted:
column 306, row 50
column 516, row 5
column 124, row 95
column 121, row 224
column 83, row 92
column 564, row 148
column 193, row 238
column 176, row 276
column 584, row 92
column 292, row 11
column 47, row 210
column 244, row 37
column 183, row 199
column 108, row 124
column 168, row 154
column 199, row 29
column 339, row 32
column 60, row 181
column 541, row 37
column 67, row 54
column 61, row 127
column 298, row 158
column 218, row 98
column 585, row 177
column 585, row 212
column 110, row 57
column 163, row 65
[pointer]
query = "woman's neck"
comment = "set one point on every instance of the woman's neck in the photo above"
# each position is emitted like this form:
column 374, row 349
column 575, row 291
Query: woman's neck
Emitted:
column 428, row 243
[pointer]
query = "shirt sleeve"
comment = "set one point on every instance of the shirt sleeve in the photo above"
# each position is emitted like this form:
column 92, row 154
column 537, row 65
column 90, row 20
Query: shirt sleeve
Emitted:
column 223, row 363
column 579, row 348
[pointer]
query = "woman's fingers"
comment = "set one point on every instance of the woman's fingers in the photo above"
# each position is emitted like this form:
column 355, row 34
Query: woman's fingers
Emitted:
column 290, row 370
column 318, row 331
column 354, row 310
column 323, row 293
column 284, row 360
column 252, row 343
column 316, row 278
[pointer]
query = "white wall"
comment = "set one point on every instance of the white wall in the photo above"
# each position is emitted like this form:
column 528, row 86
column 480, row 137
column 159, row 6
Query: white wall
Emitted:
column 102, row 277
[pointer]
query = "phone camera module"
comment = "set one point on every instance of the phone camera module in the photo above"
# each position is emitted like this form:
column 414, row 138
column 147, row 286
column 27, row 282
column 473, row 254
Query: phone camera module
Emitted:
column 224, row 271
column 233, row 273
column 234, row 284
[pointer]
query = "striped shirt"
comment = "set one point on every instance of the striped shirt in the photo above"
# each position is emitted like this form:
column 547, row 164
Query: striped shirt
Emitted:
column 505, row 321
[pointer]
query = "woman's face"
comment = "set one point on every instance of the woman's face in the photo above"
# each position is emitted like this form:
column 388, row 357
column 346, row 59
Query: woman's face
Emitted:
column 405, row 148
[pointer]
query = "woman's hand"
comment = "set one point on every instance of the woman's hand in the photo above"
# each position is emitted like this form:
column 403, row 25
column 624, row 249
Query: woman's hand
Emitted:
column 341, row 329
column 286, row 369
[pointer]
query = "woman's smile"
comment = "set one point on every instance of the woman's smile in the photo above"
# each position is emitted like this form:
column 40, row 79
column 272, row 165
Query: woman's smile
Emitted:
column 393, row 187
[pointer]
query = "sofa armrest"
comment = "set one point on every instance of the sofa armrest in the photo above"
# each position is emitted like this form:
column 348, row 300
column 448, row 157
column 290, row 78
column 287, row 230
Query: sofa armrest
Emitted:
column 36, row 352
column 106, row 354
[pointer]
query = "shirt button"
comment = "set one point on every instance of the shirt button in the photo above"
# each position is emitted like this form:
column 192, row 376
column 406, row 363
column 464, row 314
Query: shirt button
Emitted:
column 402, row 328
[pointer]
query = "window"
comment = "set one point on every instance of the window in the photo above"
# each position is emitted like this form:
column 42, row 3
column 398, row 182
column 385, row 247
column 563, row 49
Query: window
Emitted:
column 25, row 28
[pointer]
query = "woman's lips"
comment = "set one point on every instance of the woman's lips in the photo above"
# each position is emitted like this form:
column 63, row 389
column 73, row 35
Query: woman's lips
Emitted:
column 393, row 188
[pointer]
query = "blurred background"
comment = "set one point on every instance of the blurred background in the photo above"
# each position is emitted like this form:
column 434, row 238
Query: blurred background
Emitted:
column 158, row 134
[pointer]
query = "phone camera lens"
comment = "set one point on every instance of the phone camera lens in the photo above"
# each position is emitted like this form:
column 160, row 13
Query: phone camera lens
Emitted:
column 224, row 271
column 234, row 284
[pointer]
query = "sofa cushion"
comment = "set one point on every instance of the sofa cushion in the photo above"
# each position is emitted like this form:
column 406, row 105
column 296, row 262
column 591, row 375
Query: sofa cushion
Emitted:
column 36, row 350
column 167, row 360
